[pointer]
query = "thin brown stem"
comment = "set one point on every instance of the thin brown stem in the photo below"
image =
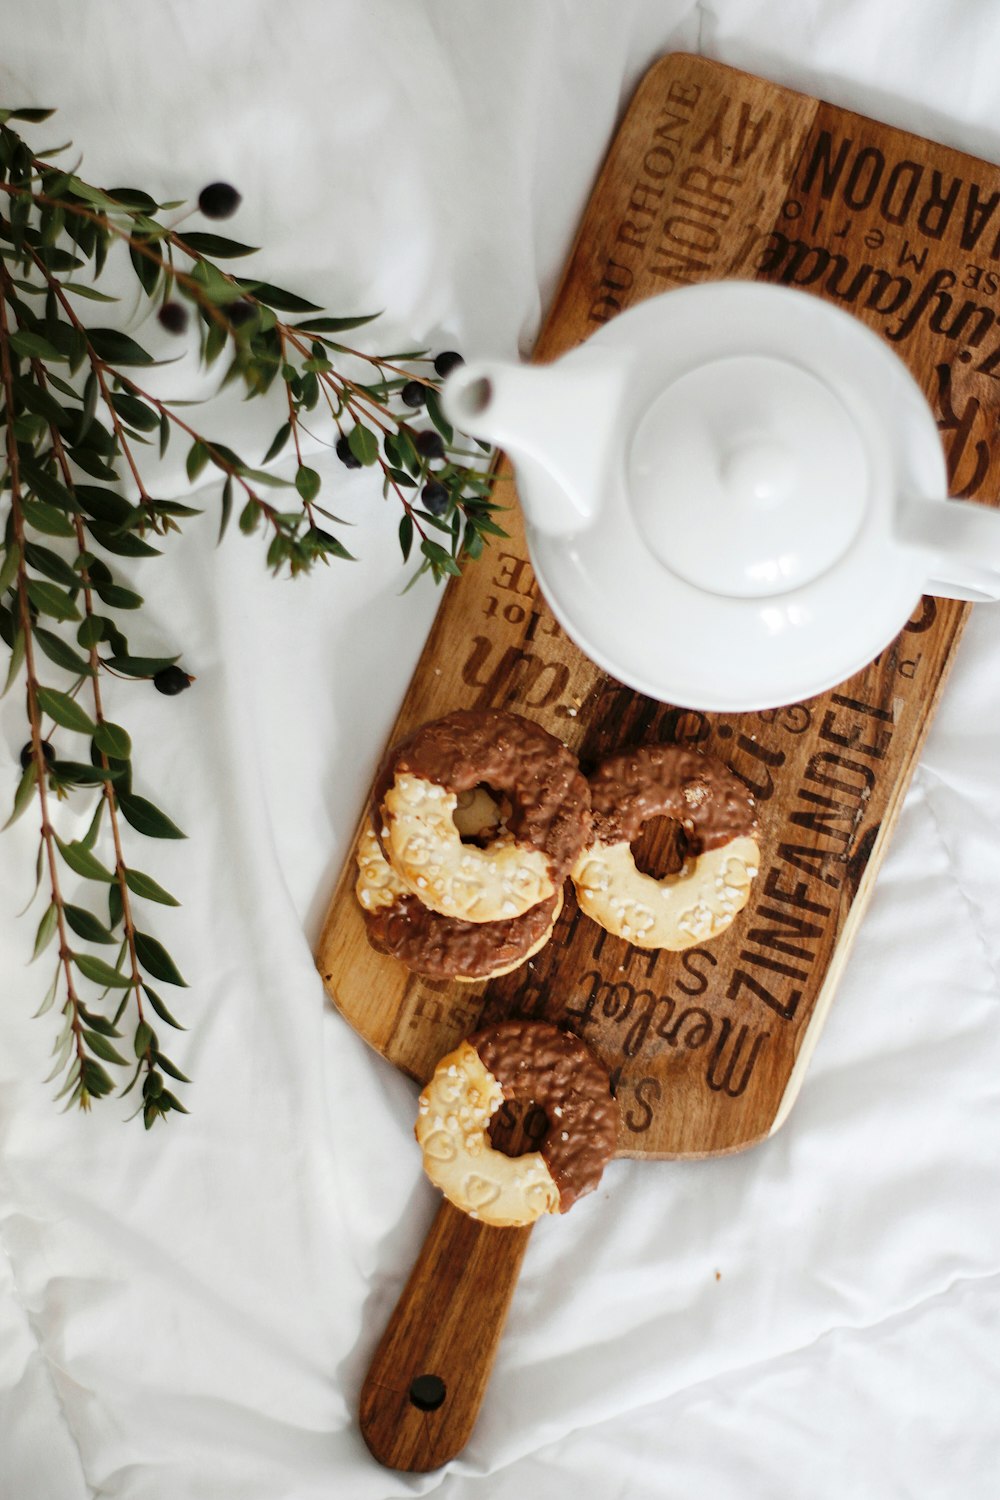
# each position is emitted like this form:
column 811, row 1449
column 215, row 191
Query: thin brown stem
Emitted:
column 34, row 716
column 107, row 790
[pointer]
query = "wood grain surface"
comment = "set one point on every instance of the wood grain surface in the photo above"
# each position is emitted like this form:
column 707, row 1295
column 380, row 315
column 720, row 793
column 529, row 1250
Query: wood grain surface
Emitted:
column 712, row 174
column 447, row 1325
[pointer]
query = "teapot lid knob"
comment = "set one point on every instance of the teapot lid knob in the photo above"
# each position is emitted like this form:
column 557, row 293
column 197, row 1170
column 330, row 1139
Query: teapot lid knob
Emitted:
column 748, row 477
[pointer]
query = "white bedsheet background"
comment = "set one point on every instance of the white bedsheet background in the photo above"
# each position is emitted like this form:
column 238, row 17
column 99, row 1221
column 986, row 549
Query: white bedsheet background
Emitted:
column 187, row 1315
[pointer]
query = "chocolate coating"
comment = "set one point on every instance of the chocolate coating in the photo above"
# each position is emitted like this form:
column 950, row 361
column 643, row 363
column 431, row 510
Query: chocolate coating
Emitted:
column 710, row 802
column 550, row 800
column 534, row 1060
column 444, row 947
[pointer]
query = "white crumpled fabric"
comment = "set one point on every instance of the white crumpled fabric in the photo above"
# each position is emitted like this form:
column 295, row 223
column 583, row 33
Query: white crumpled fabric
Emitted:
column 188, row 1315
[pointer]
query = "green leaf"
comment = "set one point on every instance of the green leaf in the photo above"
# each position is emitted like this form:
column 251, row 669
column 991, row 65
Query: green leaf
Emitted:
column 140, row 666
column 145, row 1037
column 115, row 595
column 133, row 198
column 44, row 560
column 50, row 600
column 95, row 1079
column 406, row 536
column 46, row 928
column 113, row 740
column 78, row 773
column 335, row 325
column 22, row 796
column 325, row 544
column 50, row 994
column 64, row 656
column 81, row 289
column 33, row 345
column 437, row 416
column 307, row 482
column 280, row 439
column 135, row 412
column 65, row 710
column 90, row 837
column 91, row 392
column 164, row 432
column 91, row 630
column 9, row 566
column 82, row 862
column 156, row 960
column 48, row 487
column 102, row 1046
column 217, row 245
column 275, row 296
column 17, row 653
column 46, row 518
column 227, row 506
column 86, row 925
column 146, row 818
column 122, row 543
column 161, row 1009
column 198, row 457
column 98, row 1022
column 100, row 972
column 33, row 116
column 363, row 444
column 144, row 267
column 117, row 348
column 92, row 463
column 249, row 517
column 408, row 453
column 104, row 504
column 172, row 1069
column 438, row 557
column 116, row 906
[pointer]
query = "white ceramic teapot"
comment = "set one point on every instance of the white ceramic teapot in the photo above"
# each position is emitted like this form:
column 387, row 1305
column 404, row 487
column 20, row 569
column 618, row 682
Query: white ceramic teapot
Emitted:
column 734, row 493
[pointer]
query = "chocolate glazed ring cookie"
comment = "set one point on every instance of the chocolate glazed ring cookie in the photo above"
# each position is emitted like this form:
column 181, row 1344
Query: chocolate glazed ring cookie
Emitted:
column 437, row 947
column 530, row 1061
column 715, row 810
column 414, row 801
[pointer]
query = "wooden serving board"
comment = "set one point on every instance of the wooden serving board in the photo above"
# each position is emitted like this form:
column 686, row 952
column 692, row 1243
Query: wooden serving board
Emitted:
column 714, row 174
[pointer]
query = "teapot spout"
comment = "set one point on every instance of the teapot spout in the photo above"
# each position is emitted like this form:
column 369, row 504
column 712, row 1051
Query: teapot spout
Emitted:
column 555, row 422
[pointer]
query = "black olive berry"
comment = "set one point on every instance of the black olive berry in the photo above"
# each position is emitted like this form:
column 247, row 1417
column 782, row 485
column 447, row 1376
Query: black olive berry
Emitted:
column 447, row 361
column 173, row 316
column 435, row 497
column 27, row 752
column 345, row 455
column 171, row 680
column 240, row 312
column 414, row 393
column 430, row 444
column 219, row 200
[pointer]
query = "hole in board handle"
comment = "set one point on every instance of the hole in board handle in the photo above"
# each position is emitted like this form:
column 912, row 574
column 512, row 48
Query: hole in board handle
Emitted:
column 427, row 1392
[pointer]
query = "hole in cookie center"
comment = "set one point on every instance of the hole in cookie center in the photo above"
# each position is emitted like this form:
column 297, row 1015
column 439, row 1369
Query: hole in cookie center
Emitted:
column 519, row 1126
column 661, row 848
column 479, row 814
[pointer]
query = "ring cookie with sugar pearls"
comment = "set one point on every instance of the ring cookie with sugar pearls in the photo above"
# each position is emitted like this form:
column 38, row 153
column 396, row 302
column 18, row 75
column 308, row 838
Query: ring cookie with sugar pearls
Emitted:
column 531, row 1062
column 416, row 795
column 717, row 813
column 397, row 923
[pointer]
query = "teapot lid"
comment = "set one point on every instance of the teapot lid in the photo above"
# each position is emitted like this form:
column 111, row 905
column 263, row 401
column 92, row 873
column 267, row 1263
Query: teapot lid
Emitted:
column 747, row 476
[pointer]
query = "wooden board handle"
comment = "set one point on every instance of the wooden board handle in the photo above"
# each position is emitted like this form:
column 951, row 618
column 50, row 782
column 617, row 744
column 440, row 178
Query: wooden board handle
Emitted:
column 422, row 1394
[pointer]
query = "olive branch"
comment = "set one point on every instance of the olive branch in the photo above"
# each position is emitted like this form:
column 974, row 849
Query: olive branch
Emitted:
column 77, row 414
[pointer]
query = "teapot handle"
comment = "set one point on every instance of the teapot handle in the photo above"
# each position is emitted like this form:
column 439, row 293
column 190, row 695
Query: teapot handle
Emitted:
column 962, row 541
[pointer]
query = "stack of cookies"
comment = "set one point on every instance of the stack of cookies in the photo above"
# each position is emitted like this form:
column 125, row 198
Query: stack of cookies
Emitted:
column 472, row 910
column 478, row 818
